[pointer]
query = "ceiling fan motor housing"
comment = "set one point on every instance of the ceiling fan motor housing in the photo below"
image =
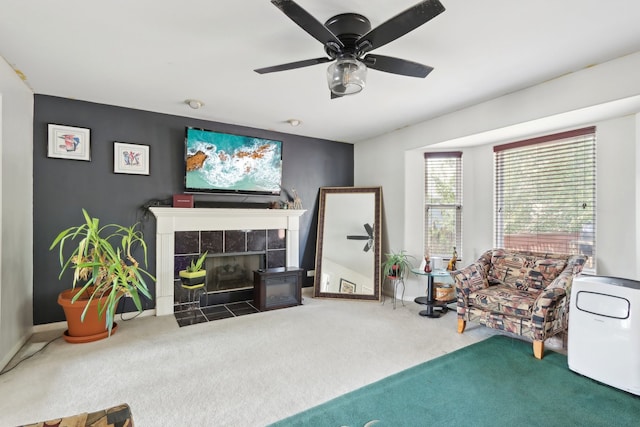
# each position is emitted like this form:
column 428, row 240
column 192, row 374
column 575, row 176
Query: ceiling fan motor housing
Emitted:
column 348, row 28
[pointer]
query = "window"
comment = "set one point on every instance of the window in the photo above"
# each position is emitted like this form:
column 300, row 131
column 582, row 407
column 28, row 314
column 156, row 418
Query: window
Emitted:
column 443, row 203
column 545, row 194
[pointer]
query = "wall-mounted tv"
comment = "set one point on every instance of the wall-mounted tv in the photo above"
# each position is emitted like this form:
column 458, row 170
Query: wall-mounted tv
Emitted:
column 219, row 162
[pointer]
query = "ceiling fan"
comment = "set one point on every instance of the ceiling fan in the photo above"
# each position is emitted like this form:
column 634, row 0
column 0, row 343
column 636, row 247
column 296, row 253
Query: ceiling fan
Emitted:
column 368, row 237
column 347, row 39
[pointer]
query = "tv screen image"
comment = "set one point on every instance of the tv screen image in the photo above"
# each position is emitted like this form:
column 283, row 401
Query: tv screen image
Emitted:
column 223, row 162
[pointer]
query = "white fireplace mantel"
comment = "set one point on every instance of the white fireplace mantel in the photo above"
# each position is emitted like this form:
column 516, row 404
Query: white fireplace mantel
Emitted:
column 170, row 220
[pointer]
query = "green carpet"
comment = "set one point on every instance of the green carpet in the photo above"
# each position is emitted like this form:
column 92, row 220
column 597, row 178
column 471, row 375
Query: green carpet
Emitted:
column 496, row 382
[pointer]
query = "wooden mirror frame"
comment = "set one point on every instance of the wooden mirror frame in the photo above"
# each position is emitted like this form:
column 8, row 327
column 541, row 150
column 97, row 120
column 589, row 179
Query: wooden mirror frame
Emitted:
column 376, row 216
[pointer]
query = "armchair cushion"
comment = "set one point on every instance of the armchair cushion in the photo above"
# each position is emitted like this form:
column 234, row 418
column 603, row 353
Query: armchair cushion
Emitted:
column 524, row 270
column 507, row 268
column 504, row 299
column 543, row 272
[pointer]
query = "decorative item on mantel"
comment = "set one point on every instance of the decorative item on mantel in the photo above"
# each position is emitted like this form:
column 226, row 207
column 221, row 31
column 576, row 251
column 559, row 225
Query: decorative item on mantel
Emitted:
column 183, row 200
column 295, row 203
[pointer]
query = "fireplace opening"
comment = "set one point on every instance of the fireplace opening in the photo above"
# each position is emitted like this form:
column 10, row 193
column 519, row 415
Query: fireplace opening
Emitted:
column 232, row 271
column 229, row 278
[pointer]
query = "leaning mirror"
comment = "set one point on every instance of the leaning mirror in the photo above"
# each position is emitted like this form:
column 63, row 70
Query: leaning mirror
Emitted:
column 348, row 248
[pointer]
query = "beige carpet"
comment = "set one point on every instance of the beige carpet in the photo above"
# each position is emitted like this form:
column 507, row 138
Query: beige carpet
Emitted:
column 245, row 371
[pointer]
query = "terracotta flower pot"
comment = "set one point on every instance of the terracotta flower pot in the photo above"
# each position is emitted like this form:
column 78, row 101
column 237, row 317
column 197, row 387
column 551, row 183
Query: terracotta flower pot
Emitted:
column 93, row 327
column 395, row 272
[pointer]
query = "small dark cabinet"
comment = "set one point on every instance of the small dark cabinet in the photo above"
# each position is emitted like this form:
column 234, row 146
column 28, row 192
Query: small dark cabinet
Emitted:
column 277, row 288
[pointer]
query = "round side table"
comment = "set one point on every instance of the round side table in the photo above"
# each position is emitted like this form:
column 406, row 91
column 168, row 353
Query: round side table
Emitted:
column 434, row 309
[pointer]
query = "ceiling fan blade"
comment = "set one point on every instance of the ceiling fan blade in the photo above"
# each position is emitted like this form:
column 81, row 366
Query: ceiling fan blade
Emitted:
column 393, row 65
column 367, row 247
column 358, row 237
column 399, row 25
column 369, row 230
column 307, row 22
column 292, row 65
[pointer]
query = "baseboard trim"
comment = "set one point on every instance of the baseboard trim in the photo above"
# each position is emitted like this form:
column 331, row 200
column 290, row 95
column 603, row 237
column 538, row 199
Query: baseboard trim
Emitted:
column 48, row 327
column 14, row 350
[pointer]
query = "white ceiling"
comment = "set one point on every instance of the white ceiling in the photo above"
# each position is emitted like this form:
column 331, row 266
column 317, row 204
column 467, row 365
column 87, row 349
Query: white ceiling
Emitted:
column 154, row 54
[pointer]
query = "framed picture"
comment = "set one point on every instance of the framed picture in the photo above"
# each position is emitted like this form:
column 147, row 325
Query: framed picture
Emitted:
column 130, row 158
column 66, row 142
column 346, row 287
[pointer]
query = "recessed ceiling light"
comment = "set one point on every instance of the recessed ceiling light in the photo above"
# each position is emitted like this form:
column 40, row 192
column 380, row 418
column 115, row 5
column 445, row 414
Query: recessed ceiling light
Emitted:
column 194, row 103
column 294, row 122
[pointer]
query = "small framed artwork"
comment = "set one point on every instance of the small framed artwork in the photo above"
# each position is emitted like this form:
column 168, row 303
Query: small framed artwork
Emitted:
column 347, row 287
column 66, row 142
column 130, row 158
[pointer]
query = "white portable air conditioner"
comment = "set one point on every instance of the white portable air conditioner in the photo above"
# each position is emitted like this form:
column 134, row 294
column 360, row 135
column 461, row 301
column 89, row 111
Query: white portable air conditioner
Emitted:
column 604, row 331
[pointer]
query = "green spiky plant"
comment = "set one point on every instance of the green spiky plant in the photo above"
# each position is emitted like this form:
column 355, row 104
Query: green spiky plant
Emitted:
column 397, row 264
column 196, row 263
column 103, row 264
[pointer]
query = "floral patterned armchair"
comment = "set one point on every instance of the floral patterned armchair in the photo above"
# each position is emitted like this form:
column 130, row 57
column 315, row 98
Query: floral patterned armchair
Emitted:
column 525, row 293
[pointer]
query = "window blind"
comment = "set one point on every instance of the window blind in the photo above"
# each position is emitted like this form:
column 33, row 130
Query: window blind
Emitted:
column 443, row 203
column 545, row 194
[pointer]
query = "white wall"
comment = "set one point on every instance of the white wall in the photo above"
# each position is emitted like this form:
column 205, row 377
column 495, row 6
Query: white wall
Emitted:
column 16, row 212
column 616, row 213
column 636, row 236
column 607, row 95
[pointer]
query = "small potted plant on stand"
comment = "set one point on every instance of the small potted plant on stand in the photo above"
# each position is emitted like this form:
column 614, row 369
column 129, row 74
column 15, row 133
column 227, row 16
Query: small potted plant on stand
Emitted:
column 104, row 270
column 194, row 274
column 397, row 265
column 193, row 279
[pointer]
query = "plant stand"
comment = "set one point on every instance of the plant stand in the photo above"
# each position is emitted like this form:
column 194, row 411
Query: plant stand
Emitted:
column 195, row 285
column 395, row 282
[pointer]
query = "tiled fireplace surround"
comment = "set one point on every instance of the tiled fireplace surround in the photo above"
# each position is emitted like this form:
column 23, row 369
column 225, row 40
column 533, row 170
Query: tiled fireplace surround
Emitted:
column 220, row 231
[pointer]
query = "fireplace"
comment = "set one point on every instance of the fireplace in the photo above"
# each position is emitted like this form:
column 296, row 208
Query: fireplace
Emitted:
column 234, row 231
column 229, row 279
column 231, row 272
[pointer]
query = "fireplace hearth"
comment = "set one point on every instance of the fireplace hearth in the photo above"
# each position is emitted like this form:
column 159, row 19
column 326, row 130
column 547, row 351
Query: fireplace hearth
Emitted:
column 215, row 312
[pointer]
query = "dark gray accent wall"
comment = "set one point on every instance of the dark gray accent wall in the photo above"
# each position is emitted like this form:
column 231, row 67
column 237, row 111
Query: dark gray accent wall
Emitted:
column 63, row 187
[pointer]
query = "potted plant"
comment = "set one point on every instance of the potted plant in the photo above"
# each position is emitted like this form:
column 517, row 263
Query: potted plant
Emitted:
column 194, row 274
column 104, row 270
column 397, row 265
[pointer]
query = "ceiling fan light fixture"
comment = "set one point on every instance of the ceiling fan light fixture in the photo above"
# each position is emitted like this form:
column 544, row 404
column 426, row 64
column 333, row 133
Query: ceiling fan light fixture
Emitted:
column 346, row 76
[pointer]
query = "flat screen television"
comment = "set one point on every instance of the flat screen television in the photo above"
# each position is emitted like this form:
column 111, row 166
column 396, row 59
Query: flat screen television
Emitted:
column 217, row 162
